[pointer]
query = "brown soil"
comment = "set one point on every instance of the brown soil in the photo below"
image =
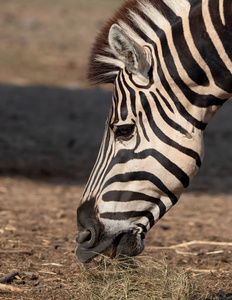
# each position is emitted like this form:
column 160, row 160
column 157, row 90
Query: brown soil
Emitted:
column 38, row 227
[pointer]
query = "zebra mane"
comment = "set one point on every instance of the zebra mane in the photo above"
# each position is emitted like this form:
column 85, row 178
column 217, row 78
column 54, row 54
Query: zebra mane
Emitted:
column 103, row 65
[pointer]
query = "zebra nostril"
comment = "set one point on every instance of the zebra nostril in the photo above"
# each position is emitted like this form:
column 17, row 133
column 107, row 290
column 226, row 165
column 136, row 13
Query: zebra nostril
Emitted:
column 83, row 236
column 86, row 237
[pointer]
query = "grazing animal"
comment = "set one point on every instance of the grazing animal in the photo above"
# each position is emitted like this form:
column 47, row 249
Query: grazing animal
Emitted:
column 170, row 64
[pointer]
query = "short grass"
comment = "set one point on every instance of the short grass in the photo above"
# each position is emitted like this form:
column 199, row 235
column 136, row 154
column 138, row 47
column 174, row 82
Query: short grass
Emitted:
column 139, row 278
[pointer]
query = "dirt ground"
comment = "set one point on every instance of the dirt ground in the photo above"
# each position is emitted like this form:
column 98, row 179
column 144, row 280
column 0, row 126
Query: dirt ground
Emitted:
column 38, row 227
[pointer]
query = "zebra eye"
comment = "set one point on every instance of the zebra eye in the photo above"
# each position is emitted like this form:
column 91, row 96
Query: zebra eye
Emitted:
column 124, row 130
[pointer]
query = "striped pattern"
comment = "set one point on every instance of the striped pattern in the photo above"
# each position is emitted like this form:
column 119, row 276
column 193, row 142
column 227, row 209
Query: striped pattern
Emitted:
column 139, row 177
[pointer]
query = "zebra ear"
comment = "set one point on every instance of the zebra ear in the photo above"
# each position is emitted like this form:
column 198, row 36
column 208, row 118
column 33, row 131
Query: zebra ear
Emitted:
column 134, row 56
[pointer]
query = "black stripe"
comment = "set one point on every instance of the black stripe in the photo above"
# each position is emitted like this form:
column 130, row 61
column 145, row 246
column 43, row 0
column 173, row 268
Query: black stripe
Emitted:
column 194, row 98
column 165, row 101
column 224, row 32
column 167, row 164
column 128, row 215
column 141, row 176
column 163, row 137
column 179, row 106
column 124, row 110
column 220, row 72
column 115, row 99
column 227, row 14
column 142, row 126
column 132, row 95
column 138, row 141
column 169, row 121
column 190, row 65
column 124, row 156
column 127, row 196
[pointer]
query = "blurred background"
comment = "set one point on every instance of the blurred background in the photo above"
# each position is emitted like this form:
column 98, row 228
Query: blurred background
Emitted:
column 51, row 120
column 48, row 42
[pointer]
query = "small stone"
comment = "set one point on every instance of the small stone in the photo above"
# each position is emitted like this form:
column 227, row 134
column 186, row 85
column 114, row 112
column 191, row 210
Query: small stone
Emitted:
column 60, row 214
column 36, row 283
column 9, row 227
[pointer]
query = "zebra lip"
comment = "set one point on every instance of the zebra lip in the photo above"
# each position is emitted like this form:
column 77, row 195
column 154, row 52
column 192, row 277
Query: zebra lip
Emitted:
column 85, row 255
column 109, row 246
column 116, row 243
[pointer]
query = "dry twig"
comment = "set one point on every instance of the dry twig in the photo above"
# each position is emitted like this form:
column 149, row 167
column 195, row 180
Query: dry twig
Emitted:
column 203, row 271
column 52, row 264
column 192, row 243
column 8, row 277
column 9, row 288
column 186, row 253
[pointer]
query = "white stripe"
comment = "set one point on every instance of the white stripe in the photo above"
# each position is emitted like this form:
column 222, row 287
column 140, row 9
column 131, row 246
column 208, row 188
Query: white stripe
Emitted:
column 119, row 206
column 214, row 36
column 114, row 73
column 179, row 7
column 109, row 60
column 154, row 14
column 221, row 12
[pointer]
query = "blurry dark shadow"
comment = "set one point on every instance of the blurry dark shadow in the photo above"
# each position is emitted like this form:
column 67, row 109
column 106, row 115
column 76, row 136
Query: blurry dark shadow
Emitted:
column 215, row 175
column 56, row 133
column 50, row 131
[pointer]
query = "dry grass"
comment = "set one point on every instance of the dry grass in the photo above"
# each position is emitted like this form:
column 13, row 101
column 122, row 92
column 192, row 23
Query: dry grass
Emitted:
column 138, row 278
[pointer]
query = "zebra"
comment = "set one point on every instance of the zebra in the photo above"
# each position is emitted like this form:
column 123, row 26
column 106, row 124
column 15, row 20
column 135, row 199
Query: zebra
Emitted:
column 170, row 65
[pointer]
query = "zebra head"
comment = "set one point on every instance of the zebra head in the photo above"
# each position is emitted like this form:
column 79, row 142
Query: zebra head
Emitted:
column 145, row 161
column 152, row 145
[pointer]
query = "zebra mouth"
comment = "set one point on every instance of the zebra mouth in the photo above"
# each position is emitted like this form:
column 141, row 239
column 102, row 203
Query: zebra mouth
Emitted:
column 126, row 244
column 115, row 245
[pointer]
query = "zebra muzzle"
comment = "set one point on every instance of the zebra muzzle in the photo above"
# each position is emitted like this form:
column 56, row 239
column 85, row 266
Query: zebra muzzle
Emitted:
column 126, row 243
